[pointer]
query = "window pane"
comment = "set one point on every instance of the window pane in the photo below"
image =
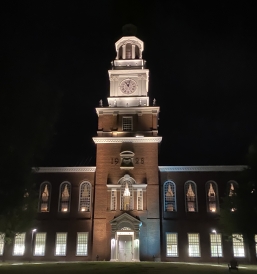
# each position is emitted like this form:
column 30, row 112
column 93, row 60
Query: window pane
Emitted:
column 1, row 244
column 255, row 238
column 40, row 242
column 19, row 245
column 216, row 246
column 238, row 245
column 169, row 196
column 127, row 124
column 191, row 197
column 193, row 245
column 171, row 245
column 84, row 199
column 64, row 203
column 113, row 199
column 82, row 238
column 44, row 198
column 60, row 247
column 212, row 197
column 126, row 196
column 139, row 199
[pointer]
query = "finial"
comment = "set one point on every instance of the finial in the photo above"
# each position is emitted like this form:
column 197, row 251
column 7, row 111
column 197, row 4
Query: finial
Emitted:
column 154, row 102
column 101, row 103
column 129, row 30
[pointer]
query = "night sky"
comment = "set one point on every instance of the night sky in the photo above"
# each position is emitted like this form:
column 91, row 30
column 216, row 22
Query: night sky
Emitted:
column 201, row 55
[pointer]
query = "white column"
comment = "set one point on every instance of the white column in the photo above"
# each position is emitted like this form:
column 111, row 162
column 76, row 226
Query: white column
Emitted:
column 136, row 250
column 113, row 249
column 124, row 52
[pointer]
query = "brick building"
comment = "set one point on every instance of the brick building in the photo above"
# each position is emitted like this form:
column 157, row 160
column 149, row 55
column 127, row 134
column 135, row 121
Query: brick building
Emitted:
column 127, row 208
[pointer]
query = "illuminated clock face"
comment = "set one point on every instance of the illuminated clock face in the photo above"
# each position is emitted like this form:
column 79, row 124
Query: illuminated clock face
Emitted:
column 128, row 86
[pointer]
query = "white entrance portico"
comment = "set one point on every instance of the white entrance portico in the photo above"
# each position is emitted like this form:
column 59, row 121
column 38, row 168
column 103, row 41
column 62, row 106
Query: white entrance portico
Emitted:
column 125, row 238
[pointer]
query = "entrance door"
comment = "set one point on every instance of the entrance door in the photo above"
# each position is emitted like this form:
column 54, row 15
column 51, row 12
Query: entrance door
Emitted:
column 125, row 248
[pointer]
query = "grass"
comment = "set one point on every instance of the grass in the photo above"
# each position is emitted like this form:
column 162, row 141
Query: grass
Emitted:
column 120, row 268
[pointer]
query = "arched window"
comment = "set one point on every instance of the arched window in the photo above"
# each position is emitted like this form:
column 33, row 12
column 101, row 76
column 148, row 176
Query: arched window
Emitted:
column 232, row 187
column 44, row 197
column 191, row 196
column 212, row 196
column 85, row 196
column 170, row 196
column 64, row 197
column 126, row 195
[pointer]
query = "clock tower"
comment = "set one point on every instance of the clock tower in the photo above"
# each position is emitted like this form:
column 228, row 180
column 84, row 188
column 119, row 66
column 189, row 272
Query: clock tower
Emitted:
column 126, row 224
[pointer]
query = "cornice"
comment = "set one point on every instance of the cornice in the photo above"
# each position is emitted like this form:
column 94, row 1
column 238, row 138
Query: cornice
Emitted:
column 200, row 168
column 62, row 169
column 127, row 110
column 130, row 72
column 117, row 140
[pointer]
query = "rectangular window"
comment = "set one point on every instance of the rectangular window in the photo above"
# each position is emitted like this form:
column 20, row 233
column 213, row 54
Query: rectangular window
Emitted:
column 60, row 245
column 216, row 245
column 19, row 245
column 127, row 124
column 139, row 199
column 40, row 244
column 171, row 244
column 82, row 238
column 193, row 245
column 113, row 199
column 1, row 244
column 255, row 238
column 238, row 245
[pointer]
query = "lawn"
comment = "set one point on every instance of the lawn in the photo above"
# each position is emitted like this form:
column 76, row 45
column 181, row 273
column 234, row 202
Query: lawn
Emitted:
column 123, row 268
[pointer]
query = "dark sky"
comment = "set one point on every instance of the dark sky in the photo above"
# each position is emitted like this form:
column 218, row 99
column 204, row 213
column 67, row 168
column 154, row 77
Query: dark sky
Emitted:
column 201, row 55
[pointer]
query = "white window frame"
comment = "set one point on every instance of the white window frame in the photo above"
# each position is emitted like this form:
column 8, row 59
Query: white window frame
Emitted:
column 124, row 125
column 216, row 245
column 187, row 201
column 172, row 202
column 40, row 244
column 60, row 243
column 19, row 244
column 171, row 244
column 2, row 236
column 41, row 202
column 85, row 201
column 82, row 244
column 113, row 205
column 194, row 245
column 210, row 201
column 238, row 245
column 140, row 203
column 62, row 202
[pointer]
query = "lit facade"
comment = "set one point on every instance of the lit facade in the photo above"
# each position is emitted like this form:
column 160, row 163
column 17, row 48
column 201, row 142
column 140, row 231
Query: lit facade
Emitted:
column 127, row 208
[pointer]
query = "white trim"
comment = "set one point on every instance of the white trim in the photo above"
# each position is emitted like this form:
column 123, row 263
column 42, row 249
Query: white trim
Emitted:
column 200, row 168
column 62, row 169
column 135, row 186
column 129, row 39
column 129, row 110
column 118, row 140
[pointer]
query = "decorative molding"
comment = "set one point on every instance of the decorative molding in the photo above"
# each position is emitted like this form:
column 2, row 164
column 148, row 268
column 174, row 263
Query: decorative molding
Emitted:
column 129, row 39
column 134, row 186
column 117, row 140
column 62, row 169
column 200, row 168
column 124, row 110
column 128, row 73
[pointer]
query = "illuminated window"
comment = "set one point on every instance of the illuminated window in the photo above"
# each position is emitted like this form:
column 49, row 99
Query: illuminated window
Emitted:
column 126, row 196
column 84, row 198
column 1, row 244
column 40, row 244
column 238, row 245
column 191, row 196
column 60, row 244
column 255, row 238
column 232, row 187
column 139, row 199
column 44, row 197
column 64, row 199
column 216, row 246
column 113, row 199
column 171, row 244
column 170, row 196
column 82, row 239
column 212, row 197
column 193, row 245
column 127, row 124
column 19, row 245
